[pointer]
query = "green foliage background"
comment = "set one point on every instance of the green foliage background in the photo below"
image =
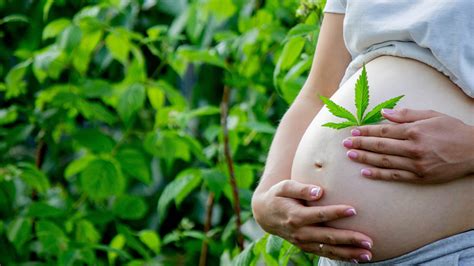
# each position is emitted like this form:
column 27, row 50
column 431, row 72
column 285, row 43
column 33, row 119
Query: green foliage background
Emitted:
column 111, row 142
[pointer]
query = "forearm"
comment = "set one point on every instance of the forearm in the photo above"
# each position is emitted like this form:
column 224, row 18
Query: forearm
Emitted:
column 286, row 140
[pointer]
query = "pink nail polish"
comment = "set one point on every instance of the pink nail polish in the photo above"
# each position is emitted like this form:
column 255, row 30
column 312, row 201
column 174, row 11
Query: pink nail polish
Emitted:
column 352, row 154
column 350, row 212
column 315, row 191
column 366, row 244
column 355, row 132
column 365, row 257
column 347, row 143
column 366, row 172
column 388, row 111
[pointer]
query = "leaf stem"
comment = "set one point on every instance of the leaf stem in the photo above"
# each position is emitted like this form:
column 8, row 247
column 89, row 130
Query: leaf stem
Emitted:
column 207, row 227
column 230, row 165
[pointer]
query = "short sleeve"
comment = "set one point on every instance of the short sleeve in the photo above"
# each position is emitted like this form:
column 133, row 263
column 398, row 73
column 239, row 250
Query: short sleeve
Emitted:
column 335, row 6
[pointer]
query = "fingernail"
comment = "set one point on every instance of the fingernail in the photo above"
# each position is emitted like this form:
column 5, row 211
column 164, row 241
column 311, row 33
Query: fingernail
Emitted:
column 366, row 244
column 366, row 172
column 315, row 191
column 350, row 212
column 352, row 154
column 365, row 257
column 388, row 111
column 347, row 143
column 354, row 261
column 355, row 132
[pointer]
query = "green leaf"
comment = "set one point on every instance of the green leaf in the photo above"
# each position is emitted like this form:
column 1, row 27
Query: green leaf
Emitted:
column 375, row 116
column 340, row 125
column 179, row 189
column 204, row 56
column 19, row 231
column 129, row 207
column 15, row 85
column 246, row 257
column 274, row 246
column 55, row 27
column 94, row 140
column 86, row 232
column 70, row 38
column 221, row 9
column 361, row 94
column 301, row 29
column 215, row 180
column 117, row 243
column 261, row 127
column 43, row 210
column 130, row 102
column 205, row 110
column 51, row 237
column 156, row 97
column 8, row 115
column 34, row 177
column 291, row 52
column 118, row 45
column 151, row 239
column 77, row 165
column 338, row 110
column 134, row 163
column 14, row 18
column 96, row 111
column 101, row 179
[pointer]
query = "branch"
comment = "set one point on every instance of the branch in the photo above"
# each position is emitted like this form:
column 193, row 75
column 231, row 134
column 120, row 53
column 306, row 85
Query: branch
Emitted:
column 207, row 227
column 230, row 166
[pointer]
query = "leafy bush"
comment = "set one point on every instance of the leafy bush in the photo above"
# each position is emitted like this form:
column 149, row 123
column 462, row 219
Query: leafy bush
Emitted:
column 133, row 132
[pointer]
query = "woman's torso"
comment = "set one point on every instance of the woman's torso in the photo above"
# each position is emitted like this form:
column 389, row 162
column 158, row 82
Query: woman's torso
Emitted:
column 399, row 217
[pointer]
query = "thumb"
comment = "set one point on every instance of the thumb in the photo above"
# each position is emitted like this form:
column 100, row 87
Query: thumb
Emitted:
column 405, row 115
column 292, row 189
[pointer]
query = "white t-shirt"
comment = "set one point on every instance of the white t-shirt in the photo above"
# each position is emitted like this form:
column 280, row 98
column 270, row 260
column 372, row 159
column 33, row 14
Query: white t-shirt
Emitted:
column 439, row 33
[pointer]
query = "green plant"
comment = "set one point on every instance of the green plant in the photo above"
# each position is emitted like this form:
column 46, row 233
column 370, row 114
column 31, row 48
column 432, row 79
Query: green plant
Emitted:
column 361, row 102
column 134, row 132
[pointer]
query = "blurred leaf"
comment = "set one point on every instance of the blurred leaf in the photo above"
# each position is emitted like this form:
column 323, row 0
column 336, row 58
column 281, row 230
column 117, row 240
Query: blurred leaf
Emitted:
column 8, row 115
column 86, row 232
column 55, row 27
column 94, row 140
column 179, row 189
column 301, row 30
column 51, row 237
column 134, row 163
column 15, row 85
column 261, row 127
column 77, row 165
column 151, row 240
column 70, row 38
column 201, row 56
column 117, row 243
column 131, row 101
column 34, row 177
column 118, row 45
column 14, row 18
column 291, row 51
column 19, row 231
column 156, row 97
column 101, row 179
column 129, row 207
column 246, row 257
column 43, row 210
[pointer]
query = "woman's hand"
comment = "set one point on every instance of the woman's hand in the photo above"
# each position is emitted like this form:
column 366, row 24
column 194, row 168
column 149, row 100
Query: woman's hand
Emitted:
column 281, row 211
column 423, row 147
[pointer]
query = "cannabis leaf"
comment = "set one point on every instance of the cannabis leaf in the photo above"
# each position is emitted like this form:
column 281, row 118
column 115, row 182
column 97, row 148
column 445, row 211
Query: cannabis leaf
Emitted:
column 361, row 102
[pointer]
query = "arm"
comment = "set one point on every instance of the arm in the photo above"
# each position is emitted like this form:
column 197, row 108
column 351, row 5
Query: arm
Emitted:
column 277, row 201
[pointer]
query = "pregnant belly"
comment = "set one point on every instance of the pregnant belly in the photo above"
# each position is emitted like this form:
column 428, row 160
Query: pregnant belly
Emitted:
column 399, row 217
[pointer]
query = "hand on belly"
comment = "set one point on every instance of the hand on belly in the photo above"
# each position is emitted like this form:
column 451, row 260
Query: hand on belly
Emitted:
column 389, row 212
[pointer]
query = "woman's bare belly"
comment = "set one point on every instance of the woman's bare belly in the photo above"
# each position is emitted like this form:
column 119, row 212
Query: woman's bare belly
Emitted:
column 399, row 217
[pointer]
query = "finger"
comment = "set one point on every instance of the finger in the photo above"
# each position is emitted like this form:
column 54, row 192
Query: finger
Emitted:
column 382, row 130
column 331, row 236
column 381, row 160
column 293, row 189
column 379, row 145
column 338, row 253
column 321, row 214
column 392, row 175
column 405, row 115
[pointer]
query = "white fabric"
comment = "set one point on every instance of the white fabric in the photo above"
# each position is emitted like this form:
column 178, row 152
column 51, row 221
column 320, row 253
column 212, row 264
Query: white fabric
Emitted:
column 439, row 33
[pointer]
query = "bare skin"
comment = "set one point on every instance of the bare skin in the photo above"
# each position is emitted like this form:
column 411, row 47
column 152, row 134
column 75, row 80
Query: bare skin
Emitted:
column 278, row 203
column 424, row 146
